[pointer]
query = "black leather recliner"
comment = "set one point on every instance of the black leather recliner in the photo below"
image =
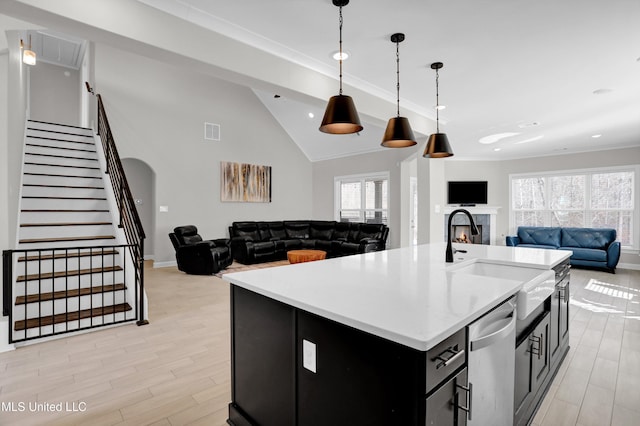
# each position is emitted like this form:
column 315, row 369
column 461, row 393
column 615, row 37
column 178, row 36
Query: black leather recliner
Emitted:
column 197, row 256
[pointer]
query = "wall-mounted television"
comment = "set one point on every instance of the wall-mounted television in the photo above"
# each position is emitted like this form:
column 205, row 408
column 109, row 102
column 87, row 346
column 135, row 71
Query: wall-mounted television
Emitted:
column 467, row 193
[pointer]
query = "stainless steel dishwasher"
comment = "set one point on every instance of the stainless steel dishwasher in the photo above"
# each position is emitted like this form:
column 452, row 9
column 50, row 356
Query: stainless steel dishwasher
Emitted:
column 491, row 366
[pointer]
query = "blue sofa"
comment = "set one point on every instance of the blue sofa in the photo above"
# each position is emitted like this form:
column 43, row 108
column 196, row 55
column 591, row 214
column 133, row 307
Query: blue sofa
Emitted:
column 592, row 247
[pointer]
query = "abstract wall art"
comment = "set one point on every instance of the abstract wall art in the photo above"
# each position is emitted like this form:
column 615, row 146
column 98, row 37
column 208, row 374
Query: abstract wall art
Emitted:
column 245, row 183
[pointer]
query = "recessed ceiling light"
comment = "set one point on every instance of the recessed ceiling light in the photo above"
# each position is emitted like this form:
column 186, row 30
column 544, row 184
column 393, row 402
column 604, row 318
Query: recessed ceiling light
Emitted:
column 602, row 91
column 311, row 115
column 336, row 55
column 497, row 149
column 596, row 136
column 495, row 138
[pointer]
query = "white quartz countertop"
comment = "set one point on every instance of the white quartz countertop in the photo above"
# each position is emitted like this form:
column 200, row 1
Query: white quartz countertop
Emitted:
column 409, row 295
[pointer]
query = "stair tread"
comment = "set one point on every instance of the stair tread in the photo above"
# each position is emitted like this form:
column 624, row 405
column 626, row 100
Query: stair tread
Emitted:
column 35, row 145
column 68, row 254
column 62, row 239
column 44, row 197
column 29, row 225
column 64, row 176
column 64, row 210
column 40, row 185
column 66, row 157
column 61, row 140
column 64, row 294
column 72, row 273
column 71, row 316
column 30, row 163
column 59, row 124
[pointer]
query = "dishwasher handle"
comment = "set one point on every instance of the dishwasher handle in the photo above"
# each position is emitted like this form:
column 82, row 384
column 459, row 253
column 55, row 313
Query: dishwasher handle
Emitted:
column 506, row 326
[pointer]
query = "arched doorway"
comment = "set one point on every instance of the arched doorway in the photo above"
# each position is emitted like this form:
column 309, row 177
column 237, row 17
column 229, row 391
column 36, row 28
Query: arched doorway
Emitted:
column 142, row 182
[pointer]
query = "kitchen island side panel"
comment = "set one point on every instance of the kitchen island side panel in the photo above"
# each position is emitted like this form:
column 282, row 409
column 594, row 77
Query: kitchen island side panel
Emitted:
column 360, row 379
column 263, row 360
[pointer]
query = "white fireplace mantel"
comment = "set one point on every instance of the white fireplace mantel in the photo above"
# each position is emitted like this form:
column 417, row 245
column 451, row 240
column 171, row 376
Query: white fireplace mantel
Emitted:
column 492, row 211
column 482, row 209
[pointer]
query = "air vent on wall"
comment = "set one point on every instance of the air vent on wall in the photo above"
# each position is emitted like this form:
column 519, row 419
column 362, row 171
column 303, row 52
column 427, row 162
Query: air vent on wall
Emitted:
column 211, row 132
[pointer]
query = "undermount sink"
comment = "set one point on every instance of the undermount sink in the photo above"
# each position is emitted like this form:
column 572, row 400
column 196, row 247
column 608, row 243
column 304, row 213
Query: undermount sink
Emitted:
column 538, row 284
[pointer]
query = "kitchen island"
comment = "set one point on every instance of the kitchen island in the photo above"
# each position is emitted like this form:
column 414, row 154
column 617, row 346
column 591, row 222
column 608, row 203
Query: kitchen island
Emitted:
column 378, row 338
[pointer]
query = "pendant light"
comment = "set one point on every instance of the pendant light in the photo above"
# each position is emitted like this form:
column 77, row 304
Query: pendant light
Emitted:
column 340, row 117
column 438, row 144
column 398, row 133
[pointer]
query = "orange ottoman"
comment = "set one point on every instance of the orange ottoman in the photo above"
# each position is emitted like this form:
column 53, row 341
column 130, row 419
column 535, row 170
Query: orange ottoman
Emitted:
column 299, row 256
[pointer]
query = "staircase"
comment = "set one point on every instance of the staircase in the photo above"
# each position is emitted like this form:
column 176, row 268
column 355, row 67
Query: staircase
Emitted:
column 70, row 267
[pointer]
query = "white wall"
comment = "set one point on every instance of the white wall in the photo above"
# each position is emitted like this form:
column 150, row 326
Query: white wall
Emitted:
column 13, row 106
column 434, row 205
column 388, row 160
column 4, row 160
column 87, row 106
column 55, row 94
column 17, row 106
column 157, row 114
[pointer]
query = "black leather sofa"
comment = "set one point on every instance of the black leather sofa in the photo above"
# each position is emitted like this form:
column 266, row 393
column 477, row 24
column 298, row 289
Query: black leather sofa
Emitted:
column 255, row 242
column 197, row 256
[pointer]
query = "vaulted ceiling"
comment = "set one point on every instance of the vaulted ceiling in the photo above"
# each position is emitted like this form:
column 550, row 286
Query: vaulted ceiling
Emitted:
column 520, row 78
column 526, row 78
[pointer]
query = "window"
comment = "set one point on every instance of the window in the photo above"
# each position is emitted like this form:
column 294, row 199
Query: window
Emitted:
column 602, row 198
column 362, row 198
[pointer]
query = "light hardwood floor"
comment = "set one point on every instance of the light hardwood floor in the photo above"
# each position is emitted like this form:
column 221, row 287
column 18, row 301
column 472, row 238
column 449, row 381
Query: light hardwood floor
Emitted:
column 176, row 370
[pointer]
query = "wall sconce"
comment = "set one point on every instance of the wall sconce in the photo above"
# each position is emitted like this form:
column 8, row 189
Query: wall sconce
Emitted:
column 28, row 55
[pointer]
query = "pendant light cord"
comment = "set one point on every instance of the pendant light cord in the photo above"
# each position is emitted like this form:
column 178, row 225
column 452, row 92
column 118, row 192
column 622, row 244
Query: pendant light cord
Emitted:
column 340, row 51
column 398, row 76
column 437, row 104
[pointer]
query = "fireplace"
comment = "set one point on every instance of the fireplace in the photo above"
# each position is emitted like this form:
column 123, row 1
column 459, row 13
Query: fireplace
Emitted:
column 460, row 225
column 462, row 234
column 484, row 218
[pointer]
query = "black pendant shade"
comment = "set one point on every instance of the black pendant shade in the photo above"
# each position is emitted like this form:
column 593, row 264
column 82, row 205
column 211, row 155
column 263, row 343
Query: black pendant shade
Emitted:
column 340, row 117
column 438, row 146
column 438, row 143
column 398, row 134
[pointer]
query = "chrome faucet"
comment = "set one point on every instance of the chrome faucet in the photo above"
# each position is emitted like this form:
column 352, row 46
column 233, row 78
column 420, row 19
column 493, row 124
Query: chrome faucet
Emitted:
column 474, row 231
